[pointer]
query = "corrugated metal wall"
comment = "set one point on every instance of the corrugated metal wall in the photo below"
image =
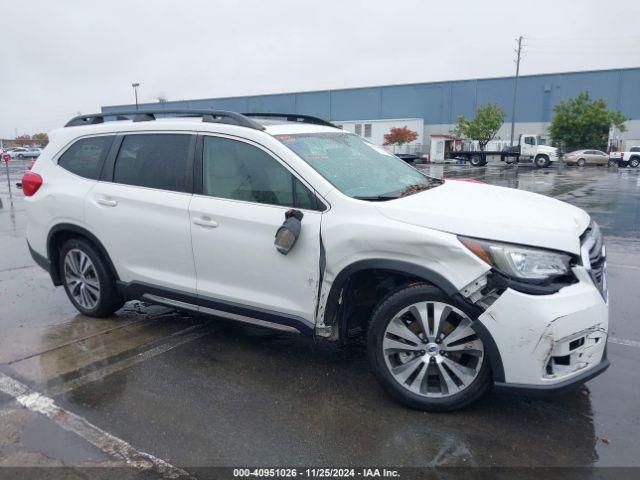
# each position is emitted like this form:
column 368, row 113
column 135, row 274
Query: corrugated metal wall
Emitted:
column 440, row 102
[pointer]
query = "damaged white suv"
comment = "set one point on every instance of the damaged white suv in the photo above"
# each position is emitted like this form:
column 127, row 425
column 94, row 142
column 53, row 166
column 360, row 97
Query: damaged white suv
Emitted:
column 284, row 218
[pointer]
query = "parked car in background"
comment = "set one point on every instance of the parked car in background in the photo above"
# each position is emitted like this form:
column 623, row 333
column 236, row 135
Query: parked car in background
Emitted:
column 588, row 157
column 629, row 158
column 21, row 152
column 35, row 151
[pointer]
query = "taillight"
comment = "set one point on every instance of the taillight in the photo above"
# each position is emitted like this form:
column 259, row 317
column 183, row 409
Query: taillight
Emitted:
column 31, row 182
column 621, row 155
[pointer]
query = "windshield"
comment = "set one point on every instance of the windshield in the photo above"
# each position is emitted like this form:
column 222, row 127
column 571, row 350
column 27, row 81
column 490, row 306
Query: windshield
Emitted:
column 358, row 168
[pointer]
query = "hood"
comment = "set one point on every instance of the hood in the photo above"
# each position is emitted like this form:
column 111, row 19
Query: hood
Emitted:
column 547, row 149
column 492, row 213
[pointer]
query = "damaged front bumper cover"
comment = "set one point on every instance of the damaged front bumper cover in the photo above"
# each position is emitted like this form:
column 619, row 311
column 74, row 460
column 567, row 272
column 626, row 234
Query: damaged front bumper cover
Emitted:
column 549, row 343
column 555, row 388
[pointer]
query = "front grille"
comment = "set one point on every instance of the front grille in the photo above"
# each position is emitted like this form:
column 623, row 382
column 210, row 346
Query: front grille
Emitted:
column 594, row 257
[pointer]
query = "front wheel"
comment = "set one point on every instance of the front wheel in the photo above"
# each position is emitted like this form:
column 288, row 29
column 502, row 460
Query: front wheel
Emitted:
column 424, row 351
column 542, row 161
column 87, row 279
column 634, row 162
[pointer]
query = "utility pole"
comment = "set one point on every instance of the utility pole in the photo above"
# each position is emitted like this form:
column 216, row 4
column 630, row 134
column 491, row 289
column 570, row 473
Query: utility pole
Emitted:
column 515, row 88
column 135, row 92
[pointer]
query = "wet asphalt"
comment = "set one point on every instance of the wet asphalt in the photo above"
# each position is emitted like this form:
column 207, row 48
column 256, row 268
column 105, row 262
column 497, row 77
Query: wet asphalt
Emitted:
column 202, row 392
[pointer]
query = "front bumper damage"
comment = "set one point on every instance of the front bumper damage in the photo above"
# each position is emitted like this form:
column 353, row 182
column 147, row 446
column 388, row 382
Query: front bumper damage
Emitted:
column 550, row 342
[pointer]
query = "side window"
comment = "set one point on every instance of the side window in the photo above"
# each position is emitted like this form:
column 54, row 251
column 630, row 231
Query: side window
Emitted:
column 635, row 149
column 530, row 140
column 159, row 160
column 239, row 171
column 85, row 157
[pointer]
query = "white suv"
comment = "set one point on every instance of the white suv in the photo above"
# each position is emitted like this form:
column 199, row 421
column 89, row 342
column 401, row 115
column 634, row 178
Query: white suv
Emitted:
column 284, row 218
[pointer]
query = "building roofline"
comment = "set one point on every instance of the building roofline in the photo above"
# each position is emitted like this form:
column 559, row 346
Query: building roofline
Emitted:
column 344, row 89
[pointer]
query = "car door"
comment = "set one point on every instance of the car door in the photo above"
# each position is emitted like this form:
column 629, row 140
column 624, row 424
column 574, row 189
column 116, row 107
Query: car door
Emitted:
column 140, row 209
column 590, row 157
column 601, row 157
column 244, row 193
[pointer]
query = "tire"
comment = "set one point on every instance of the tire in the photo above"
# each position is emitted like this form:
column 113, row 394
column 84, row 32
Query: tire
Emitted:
column 419, row 375
column 581, row 162
column 612, row 163
column 20, row 155
column 634, row 162
column 542, row 161
column 476, row 160
column 87, row 279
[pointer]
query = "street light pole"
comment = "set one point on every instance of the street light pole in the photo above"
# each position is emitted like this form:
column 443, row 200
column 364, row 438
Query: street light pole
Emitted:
column 135, row 92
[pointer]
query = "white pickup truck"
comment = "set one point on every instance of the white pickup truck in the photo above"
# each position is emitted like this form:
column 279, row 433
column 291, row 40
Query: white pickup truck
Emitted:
column 629, row 158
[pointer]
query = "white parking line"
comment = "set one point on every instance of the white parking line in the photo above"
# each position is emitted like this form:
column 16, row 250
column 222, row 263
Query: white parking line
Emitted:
column 97, row 437
column 624, row 341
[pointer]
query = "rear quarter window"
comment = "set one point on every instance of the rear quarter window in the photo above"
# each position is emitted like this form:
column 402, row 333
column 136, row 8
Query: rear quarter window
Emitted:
column 85, row 156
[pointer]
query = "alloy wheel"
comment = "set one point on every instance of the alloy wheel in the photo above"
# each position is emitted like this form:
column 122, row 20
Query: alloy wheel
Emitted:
column 431, row 350
column 81, row 278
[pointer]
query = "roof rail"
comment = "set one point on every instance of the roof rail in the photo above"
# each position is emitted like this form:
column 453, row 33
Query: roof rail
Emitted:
column 292, row 117
column 213, row 116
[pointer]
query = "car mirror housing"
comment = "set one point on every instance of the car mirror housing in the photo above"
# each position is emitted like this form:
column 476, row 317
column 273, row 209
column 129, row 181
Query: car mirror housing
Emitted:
column 287, row 235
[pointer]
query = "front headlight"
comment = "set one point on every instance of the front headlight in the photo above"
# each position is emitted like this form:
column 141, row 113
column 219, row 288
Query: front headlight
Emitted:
column 518, row 262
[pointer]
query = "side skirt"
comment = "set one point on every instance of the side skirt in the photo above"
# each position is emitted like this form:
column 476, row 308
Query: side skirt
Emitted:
column 211, row 306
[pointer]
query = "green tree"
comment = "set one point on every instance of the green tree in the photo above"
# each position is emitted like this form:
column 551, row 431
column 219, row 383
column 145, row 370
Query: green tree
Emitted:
column 483, row 126
column 581, row 122
column 41, row 138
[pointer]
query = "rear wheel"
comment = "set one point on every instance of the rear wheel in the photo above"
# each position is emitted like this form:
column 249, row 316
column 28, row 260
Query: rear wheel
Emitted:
column 612, row 163
column 634, row 162
column 581, row 162
column 477, row 161
column 424, row 351
column 87, row 279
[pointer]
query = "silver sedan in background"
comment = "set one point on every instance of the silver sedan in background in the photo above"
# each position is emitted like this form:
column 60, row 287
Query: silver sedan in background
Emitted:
column 588, row 157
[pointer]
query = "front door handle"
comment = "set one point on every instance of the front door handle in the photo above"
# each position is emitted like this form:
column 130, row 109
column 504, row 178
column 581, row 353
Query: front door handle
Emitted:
column 107, row 202
column 205, row 222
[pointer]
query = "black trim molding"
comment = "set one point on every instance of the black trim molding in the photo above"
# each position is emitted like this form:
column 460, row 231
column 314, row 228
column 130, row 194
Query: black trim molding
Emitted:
column 395, row 266
column 135, row 290
column 39, row 259
column 52, row 253
column 547, row 390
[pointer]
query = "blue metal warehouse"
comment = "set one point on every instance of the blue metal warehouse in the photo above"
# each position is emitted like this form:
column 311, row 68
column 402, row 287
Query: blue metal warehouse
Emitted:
column 439, row 103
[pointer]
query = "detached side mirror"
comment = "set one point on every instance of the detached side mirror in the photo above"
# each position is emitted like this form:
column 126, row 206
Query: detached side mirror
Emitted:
column 287, row 235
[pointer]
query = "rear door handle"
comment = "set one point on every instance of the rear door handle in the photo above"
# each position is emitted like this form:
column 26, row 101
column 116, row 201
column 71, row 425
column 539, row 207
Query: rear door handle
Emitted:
column 205, row 222
column 107, row 202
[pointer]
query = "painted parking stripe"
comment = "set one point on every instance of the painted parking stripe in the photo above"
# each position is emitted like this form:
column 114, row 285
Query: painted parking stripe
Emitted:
column 97, row 437
column 624, row 341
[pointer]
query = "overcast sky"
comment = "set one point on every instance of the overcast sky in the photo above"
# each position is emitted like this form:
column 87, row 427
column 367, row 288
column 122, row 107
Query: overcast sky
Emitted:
column 67, row 56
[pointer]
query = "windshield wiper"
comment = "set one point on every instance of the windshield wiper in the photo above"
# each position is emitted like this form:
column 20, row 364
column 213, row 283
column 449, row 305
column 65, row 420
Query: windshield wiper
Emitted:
column 378, row 198
column 420, row 187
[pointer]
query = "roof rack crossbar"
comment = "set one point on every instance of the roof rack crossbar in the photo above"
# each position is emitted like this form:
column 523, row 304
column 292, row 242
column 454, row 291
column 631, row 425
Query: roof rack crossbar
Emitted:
column 292, row 117
column 212, row 116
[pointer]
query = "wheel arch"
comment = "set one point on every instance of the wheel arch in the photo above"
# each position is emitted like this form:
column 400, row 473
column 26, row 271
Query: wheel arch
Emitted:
column 364, row 270
column 64, row 231
column 417, row 274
